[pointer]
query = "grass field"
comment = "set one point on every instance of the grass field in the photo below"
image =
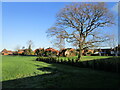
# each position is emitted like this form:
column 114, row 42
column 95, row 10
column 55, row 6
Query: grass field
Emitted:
column 25, row 72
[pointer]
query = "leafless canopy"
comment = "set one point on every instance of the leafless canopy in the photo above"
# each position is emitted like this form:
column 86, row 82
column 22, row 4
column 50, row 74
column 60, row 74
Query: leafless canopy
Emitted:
column 30, row 43
column 79, row 23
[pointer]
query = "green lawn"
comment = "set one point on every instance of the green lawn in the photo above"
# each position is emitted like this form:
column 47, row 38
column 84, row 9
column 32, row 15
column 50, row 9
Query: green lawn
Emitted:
column 20, row 66
column 25, row 72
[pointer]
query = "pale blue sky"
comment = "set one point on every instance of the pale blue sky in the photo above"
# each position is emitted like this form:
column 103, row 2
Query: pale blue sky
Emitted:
column 23, row 21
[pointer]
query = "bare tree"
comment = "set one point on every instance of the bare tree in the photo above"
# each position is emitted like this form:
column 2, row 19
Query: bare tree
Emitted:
column 23, row 47
column 30, row 43
column 59, row 41
column 113, row 42
column 78, row 23
column 29, row 50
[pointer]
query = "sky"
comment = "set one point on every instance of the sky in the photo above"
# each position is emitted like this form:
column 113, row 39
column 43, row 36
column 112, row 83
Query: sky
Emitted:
column 23, row 21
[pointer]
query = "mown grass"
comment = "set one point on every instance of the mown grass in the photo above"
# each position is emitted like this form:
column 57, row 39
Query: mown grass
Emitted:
column 17, row 67
column 25, row 72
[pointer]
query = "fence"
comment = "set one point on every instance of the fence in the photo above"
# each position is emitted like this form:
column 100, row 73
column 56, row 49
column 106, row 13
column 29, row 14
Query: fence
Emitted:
column 109, row 64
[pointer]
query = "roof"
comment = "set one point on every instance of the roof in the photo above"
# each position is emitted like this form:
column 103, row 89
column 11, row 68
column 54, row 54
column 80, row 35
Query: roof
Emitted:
column 4, row 50
column 21, row 49
column 71, row 49
column 51, row 49
column 9, row 51
column 39, row 49
column 20, row 52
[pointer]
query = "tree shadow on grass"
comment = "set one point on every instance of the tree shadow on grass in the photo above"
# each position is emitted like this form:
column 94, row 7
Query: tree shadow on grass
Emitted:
column 65, row 76
column 37, row 81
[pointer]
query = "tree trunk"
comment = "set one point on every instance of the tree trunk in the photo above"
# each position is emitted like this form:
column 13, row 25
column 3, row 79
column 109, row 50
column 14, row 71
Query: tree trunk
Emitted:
column 80, row 53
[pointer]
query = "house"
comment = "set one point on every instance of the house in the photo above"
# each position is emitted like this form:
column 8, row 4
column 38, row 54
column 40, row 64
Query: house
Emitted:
column 67, row 52
column 102, row 52
column 6, row 52
column 51, row 52
column 20, row 51
column 96, row 52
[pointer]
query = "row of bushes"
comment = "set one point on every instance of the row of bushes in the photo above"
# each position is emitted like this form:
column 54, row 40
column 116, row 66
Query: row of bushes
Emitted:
column 109, row 64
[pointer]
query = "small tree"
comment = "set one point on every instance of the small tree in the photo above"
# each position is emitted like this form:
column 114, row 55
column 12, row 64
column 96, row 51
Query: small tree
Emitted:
column 40, row 52
column 29, row 51
column 37, row 51
column 23, row 47
column 26, row 52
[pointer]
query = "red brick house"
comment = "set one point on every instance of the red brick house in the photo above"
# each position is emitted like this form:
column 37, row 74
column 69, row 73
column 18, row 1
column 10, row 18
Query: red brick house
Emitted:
column 6, row 52
column 52, row 50
column 20, row 51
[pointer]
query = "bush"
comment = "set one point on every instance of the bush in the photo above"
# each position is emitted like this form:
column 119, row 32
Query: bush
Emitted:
column 28, row 52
